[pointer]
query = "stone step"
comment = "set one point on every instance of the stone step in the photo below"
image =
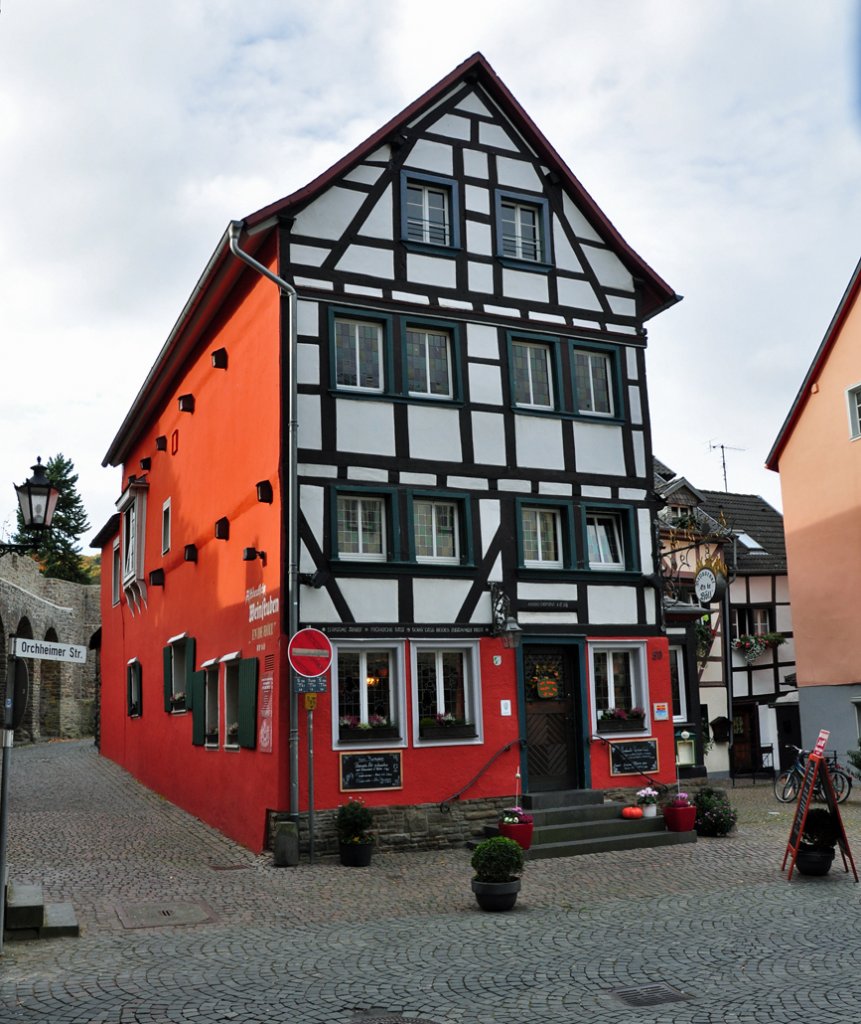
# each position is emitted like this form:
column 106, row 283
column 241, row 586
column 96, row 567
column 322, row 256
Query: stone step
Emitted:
column 60, row 920
column 25, row 907
column 581, row 812
column 561, row 798
column 576, row 830
column 607, row 844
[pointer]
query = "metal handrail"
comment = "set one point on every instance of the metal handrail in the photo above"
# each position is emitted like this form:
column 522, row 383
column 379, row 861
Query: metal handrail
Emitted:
column 662, row 787
column 444, row 806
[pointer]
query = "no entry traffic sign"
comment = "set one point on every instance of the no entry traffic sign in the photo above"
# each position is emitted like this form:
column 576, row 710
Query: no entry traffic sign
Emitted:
column 310, row 652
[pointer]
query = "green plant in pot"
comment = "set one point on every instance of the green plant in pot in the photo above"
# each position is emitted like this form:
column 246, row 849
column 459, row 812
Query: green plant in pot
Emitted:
column 497, row 863
column 818, row 840
column 353, row 825
column 715, row 814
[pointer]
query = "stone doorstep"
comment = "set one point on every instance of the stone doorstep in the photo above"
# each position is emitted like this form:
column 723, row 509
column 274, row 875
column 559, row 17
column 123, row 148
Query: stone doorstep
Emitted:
column 27, row 916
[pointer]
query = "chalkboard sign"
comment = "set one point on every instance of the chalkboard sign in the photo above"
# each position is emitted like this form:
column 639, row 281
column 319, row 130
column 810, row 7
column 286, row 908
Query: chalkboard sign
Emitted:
column 371, row 770
column 633, row 757
column 817, row 768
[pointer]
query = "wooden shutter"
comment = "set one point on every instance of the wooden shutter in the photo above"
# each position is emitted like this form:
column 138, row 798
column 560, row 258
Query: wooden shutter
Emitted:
column 190, row 695
column 168, row 673
column 247, row 694
column 196, row 700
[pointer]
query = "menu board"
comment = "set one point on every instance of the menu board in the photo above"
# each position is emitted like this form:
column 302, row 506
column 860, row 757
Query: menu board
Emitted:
column 371, row 770
column 633, row 757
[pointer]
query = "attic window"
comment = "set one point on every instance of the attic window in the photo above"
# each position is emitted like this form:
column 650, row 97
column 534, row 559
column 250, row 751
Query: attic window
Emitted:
column 753, row 546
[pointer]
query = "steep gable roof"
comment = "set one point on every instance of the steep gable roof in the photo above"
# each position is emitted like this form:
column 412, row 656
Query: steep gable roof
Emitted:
column 751, row 515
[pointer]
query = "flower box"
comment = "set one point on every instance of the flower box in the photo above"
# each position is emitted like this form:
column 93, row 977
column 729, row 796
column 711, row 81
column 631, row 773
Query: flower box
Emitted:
column 353, row 734
column 621, row 724
column 447, row 732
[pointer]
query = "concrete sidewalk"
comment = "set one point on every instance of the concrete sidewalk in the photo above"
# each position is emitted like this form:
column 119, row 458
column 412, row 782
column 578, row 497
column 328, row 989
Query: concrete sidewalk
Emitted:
column 180, row 924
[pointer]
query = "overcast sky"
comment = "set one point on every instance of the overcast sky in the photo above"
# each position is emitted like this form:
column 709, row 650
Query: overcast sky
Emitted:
column 721, row 138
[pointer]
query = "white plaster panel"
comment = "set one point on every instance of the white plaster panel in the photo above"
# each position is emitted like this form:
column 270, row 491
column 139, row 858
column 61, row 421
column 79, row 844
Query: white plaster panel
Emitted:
column 453, row 126
column 307, row 364
column 482, row 612
column 582, row 227
column 312, row 500
column 454, row 303
column 436, row 600
column 369, row 473
column 538, row 442
column 501, row 310
column 313, row 282
column 494, row 135
column 361, row 289
column 566, row 258
column 781, row 588
column 434, row 432
column 650, row 607
column 466, row 483
column 362, row 259
column 593, row 325
column 473, row 105
column 631, row 494
column 476, row 198
column 518, row 285
column 431, row 156
column 488, row 513
column 307, row 320
column 762, row 683
column 316, row 605
column 547, row 618
column 783, row 623
column 624, row 329
column 478, row 238
column 431, row 270
column 410, row 297
column 516, row 486
column 367, row 427
column 638, row 443
column 578, row 294
column 480, row 277
column 308, row 414
column 623, row 307
column 482, row 341
column 552, row 487
column 760, row 588
column 598, row 448
column 485, row 384
column 591, row 491
column 364, row 174
column 517, row 174
column 644, row 531
column 549, row 318
column 634, row 405
column 418, row 479
column 328, row 216
column 474, row 164
column 608, row 268
column 316, row 469
column 310, row 255
column 382, row 155
column 488, row 438
column 612, row 605
column 371, row 600
column 547, row 591
column 631, row 362
column 378, row 223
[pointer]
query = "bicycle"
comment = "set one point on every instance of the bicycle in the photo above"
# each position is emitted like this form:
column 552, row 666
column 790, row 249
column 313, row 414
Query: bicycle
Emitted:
column 788, row 783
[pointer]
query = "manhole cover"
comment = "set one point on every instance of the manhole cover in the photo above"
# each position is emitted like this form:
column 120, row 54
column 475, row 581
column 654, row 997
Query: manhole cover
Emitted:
column 379, row 1017
column 158, row 915
column 650, row 995
column 229, row 867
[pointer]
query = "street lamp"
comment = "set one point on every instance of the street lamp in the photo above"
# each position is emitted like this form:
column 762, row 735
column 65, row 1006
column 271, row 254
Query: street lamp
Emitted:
column 37, row 498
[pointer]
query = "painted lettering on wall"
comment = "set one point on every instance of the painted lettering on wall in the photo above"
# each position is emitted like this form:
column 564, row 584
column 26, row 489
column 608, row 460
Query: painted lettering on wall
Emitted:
column 259, row 605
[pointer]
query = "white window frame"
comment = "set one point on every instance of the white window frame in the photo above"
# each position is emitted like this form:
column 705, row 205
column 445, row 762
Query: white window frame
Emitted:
column 639, row 675
column 677, row 658
column 165, row 527
column 354, row 326
column 134, row 683
column 212, row 705
column 361, row 555
column 595, row 521
column 532, row 403
column 609, row 363
column 435, row 558
column 179, row 670
column 230, row 690
column 427, row 228
column 853, row 407
column 130, row 541
column 425, row 333
column 543, row 563
column 116, row 572
column 760, row 616
column 472, row 686
column 516, row 241
column 396, row 686
column 132, row 509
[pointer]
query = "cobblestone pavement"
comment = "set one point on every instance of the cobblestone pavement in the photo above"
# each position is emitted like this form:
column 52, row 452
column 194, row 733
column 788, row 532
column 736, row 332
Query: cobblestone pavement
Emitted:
column 404, row 939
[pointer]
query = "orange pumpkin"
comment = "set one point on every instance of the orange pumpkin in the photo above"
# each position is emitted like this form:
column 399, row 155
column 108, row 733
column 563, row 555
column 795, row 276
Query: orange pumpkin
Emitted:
column 632, row 812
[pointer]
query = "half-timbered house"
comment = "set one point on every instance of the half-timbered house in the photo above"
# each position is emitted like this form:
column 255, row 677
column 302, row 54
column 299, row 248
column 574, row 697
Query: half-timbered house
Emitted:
column 405, row 405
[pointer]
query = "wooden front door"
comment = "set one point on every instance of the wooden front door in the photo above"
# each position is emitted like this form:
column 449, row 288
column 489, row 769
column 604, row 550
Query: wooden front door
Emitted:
column 745, row 740
column 550, row 677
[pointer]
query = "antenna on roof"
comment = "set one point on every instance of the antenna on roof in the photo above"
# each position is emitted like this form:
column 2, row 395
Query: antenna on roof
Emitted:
column 724, row 448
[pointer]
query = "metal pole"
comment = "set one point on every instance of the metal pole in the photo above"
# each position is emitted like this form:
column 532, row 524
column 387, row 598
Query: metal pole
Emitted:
column 311, row 782
column 8, row 718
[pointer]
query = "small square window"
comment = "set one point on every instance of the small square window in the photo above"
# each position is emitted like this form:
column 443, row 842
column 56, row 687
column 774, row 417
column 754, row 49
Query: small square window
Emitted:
column 522, row 229
column 178, row 670
column 361, row 528
column 542, row 537
column 165, row 527
column 593, row 376
column 134, row 688
column 358, row 355
column 531, row 375
column 436, row 534
column 429, row 370
column 605, row 541
column 429, row 211
column 677, row 683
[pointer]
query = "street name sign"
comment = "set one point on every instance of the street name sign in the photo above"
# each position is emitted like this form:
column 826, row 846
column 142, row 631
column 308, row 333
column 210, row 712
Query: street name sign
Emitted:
column 46, row 650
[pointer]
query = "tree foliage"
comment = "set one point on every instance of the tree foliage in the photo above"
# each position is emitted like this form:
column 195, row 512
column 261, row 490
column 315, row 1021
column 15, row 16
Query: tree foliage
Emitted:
column 59, row 553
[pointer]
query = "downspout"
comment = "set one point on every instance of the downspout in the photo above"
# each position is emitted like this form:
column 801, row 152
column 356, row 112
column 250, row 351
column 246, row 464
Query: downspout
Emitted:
column 234, row 232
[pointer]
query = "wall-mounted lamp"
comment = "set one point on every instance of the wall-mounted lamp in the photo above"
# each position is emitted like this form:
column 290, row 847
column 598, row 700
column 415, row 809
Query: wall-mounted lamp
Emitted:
column 190, row 553
column 156, row 578
column 222, row 529
column 249, row 555
column 186, row 403
column 219, row 359
column 146, row 464
column 316, row 579
column 161, row 443
column 264, row 491
column 504, row 622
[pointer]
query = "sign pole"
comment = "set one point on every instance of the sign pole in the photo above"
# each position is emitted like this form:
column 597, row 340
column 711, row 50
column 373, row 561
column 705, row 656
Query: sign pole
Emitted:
column 310, row 703
column 8, row 726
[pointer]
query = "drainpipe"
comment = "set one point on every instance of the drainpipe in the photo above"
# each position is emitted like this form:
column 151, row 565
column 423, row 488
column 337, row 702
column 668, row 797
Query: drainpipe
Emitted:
column 234, row 232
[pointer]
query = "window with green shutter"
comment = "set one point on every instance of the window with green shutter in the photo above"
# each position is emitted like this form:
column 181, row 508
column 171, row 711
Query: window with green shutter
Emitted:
column 198, row 708
column 178, row 658
column 134, row 689
column 248, row 703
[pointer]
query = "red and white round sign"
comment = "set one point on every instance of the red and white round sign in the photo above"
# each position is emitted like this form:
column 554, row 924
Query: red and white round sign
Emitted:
column 310, row 652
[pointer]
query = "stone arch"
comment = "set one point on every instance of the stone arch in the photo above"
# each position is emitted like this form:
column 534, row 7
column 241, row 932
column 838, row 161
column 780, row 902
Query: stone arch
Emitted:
column 24, row 629
column 49, row 693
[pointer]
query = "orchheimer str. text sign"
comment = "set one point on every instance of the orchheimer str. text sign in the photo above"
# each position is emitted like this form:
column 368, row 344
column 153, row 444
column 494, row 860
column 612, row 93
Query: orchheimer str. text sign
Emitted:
column 45, row 650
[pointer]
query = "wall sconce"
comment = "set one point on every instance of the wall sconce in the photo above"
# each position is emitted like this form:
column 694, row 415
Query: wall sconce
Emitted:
column 316, row 579
column 249, row 555
column 190, row 553
column 222, row 529
column 161, row 443
column 219, row 359
column 186, row 403
column 504, row 624
column 264, row 491
column 156, row 578
column 146, row 464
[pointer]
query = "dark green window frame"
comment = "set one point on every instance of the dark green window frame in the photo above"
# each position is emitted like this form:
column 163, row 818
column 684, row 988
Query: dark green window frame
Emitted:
column 464, row 528
column 430, row 325
column 387, row 369
column 613, row 355
column 626, row 517
column 506, row 197
column 566, row 532
column 552, row 343
column 434, row 182
column 391, row 521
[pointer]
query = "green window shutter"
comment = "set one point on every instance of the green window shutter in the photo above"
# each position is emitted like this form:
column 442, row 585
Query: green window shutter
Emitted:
column 196, row 700
column 168, row 669
column 129, row 671
column 247, row 703
column 190, row 695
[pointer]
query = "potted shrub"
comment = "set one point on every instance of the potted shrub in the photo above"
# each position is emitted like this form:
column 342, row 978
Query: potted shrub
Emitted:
column 648, row 799
column 355, row 841
column 497, row 863
column 818, row 839
column 516, row 824
column 680, row 815
column 715, row 815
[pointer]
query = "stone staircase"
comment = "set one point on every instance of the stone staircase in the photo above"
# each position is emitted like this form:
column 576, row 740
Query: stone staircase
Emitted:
column 577, row 821
column 27, row 916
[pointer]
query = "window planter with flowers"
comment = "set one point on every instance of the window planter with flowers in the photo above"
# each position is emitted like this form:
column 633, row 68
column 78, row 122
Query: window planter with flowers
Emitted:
column 352, row 730
column 752, row 646
column 622, row 720
column 445, row 727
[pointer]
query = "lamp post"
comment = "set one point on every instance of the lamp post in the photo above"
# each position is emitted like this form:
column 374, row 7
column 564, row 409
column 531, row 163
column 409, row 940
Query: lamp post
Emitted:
column 37, row 498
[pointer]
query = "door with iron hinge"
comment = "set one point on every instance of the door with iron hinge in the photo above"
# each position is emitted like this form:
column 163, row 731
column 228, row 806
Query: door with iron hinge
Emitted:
column 551, row 692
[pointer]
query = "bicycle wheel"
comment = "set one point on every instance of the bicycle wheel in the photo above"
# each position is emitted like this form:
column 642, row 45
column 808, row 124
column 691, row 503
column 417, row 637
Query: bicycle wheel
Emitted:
column 842, row 784
column 786, row 787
